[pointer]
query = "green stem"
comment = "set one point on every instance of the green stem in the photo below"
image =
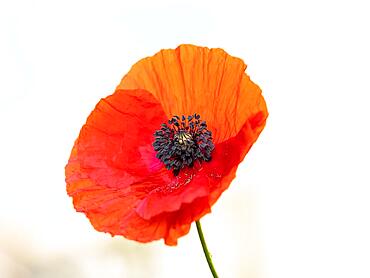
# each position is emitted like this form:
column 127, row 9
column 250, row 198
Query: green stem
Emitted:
column 205, row 250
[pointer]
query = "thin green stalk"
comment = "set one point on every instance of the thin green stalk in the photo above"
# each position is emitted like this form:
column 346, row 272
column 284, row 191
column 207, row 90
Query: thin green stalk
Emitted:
column 205, row 250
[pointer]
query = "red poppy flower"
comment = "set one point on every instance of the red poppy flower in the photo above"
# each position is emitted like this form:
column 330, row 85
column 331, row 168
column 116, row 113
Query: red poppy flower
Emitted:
column 138, row 171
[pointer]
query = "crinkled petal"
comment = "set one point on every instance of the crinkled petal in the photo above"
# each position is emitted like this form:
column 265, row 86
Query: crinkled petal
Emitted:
column 168, row 225
column 214, row 176
column 228, row 155
column 113, row 156
column 169, row 196
column 192, row 79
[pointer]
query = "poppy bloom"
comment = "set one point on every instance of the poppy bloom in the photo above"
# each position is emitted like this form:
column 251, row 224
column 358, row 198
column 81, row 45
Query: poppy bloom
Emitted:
column 154, row 156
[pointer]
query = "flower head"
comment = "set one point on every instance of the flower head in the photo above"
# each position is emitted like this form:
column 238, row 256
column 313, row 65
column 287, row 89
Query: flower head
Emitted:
column 156, row 154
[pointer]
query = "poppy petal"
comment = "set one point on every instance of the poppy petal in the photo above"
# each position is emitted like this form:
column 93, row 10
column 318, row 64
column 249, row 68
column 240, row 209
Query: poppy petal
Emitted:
column 112, row 154
column 173, row 192
column 169, row 225
column 192, row 79
column 216, row 176
column 233, row 151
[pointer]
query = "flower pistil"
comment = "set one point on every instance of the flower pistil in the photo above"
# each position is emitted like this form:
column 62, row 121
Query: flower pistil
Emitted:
column 182, row 141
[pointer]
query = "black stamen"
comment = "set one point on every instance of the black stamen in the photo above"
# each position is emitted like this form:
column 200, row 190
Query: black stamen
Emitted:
column 183, row 141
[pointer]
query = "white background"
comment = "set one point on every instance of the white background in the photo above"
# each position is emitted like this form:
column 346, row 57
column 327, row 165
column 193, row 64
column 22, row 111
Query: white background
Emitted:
column 300, row 204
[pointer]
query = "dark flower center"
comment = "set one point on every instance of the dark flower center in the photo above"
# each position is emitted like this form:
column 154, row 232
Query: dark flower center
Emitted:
column 182, row 141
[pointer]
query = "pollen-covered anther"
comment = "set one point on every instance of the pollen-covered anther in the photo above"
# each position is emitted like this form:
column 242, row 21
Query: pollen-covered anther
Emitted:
column 182, row 141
